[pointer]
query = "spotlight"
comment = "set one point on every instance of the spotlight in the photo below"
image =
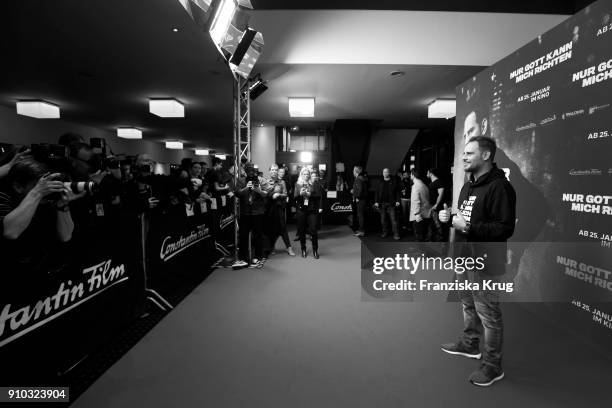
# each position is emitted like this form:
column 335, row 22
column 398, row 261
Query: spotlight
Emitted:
column 257, row 87
column 222, row 19
column 243, row 46
column 202, row 152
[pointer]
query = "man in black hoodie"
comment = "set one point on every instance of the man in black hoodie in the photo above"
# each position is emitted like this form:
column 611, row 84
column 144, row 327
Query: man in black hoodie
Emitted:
column 487, row 213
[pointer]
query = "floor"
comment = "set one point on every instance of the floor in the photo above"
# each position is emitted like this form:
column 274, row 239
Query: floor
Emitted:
column 296, row 333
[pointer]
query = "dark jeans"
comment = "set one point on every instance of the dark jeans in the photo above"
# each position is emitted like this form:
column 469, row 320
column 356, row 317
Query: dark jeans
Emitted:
column 420, row 229
column 405, row 212
column 481, row 309
column 281, row 228
column 388, row 209
column 307, row 220
column 251, row 224
column 359, row 212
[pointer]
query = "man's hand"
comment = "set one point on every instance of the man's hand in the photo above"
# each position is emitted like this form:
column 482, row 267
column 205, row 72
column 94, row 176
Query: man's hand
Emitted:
column 444, row 215
column 20, row 156
column 320, row 210
column 275, row 196
column 67, row 196
column 419, row 218
column 397, row 203
column 376, row 206
column 459, row 223
column 46, row 185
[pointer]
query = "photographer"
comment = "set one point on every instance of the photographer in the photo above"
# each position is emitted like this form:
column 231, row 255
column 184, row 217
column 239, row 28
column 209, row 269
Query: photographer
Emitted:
column 252, row 208
column 138, row 189
column 34, row 213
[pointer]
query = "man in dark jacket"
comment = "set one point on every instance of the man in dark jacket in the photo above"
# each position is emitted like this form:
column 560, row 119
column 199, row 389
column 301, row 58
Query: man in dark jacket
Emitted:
column 250, row 192
column 360, row 195
column 487, row 213
column 387, row 199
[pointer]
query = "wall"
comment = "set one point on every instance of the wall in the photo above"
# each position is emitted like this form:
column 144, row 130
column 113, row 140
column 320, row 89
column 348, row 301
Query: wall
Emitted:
column 23, row 130
column 388, row 148
column 548, row 108
column 263, row 147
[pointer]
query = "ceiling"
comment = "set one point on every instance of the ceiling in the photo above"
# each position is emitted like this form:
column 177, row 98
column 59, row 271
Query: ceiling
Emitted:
column 488, row 6
column 101, row 60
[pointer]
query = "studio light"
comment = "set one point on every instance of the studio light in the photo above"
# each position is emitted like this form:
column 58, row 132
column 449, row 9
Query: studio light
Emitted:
column 129, row 133
column 301, row 107
column 38, row 109
column 222, row 20
column 306, row 157
column 221, row 156
column 166, row 108
column 257, row 87
column 442, row 108
column 173, row 144
column 243, row 46
column 202, row 152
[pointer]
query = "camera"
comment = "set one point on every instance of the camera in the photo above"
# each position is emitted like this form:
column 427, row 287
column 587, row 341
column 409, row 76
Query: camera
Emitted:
column 78, row 187
column 253, row 179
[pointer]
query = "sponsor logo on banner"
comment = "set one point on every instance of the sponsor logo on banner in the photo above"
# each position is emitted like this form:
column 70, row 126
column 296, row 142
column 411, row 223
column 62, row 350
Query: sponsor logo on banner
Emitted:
column 16, row 322
column 226, row 221
column 172, row 246
column 526, row 127
column 587, row 172
column 339, row 208
column 596, row 108
column 569, row 115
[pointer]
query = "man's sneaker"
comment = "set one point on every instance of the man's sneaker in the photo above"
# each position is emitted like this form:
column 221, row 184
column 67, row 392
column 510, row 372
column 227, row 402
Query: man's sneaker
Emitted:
column 486, row 375
column 396, row 237
column 290, row 251
column 384, row 235
column 461, row 350
column 256, row 263
column 359, row 234
column 239, row 264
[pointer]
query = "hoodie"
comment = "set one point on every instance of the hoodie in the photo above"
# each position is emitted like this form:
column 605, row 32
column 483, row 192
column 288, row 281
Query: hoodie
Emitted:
column 489, row 205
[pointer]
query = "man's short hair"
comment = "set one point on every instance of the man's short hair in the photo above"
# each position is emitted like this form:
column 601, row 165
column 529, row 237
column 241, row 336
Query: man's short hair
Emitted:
column 273, row 165
column 485, row 144
column 26, row 171
column 416, row 173
column 216, row 160
column 69, row 138
column 435, row 172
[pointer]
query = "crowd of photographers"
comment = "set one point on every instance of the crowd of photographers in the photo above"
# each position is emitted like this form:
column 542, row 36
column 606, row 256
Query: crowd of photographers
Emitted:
column 47, row 191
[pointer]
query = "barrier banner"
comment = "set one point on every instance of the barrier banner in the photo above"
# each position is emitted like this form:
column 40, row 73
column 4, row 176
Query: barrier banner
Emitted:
column 55, row 312
column 337, row 206
column 180, row 252
column 549, row 108
column 223, row 219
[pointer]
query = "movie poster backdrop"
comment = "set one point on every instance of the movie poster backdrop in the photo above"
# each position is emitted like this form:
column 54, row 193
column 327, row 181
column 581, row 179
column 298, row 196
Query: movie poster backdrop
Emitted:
column 548, row 107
